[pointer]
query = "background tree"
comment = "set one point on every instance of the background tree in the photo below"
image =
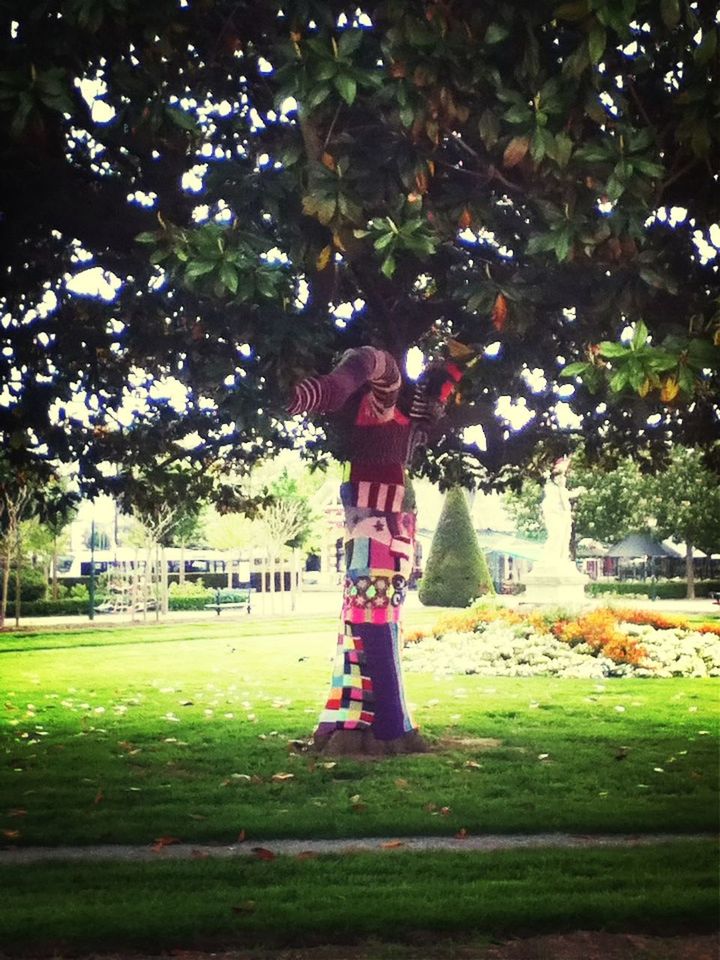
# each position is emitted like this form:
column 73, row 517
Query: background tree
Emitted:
column 686, row 503
column 305, row 177
column 456, row 571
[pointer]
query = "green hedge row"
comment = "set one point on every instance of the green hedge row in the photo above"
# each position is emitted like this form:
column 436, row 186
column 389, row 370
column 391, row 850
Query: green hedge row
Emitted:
column 70, row 605
column 662, row 589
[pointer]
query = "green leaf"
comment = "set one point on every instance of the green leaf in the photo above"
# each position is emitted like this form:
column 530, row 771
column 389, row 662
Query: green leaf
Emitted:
column 317, row 96
column 653, row 278
column 146, row 237
column 640, row 335
column 597, row 40
column 609, row 348
column 350, row 40
column 563, row 149
column 705, row 50
column 703, row 353
column 496, row 32
column 654, row 170
column 388, row 266
column 229, row 277
column 575, row 369
column 489, row 127
column 518, row 113
column 186, row 121
column 384, row 241
column 563, row 243
column 346, row 87
column 199, row 268
column 326, row 210
column 619, row 380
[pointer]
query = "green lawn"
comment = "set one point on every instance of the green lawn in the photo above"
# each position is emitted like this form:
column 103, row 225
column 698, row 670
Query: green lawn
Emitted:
column 63, row 908
column 129, row 734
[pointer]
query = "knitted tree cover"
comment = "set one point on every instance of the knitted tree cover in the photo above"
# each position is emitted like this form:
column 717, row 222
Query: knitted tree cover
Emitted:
column 366, row 709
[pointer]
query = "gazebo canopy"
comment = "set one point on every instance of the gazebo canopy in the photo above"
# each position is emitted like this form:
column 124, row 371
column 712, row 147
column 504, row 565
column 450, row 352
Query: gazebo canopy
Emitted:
column 640, row 545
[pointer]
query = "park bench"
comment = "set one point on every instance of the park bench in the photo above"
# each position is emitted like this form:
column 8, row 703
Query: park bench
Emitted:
column 238, row 598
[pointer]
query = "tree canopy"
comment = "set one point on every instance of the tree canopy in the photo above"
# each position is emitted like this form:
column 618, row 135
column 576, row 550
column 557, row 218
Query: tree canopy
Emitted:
column 202, row 201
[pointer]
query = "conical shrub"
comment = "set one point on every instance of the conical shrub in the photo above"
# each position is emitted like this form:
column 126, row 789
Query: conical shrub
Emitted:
column 456, row 570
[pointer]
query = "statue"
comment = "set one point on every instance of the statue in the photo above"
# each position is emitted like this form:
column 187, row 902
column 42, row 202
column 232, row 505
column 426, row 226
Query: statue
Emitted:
column 557, row 514
column 555, row 578
column 380, row 426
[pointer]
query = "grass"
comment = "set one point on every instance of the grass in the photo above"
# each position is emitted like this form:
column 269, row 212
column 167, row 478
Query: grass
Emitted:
column 124, row 735
column 71, row 907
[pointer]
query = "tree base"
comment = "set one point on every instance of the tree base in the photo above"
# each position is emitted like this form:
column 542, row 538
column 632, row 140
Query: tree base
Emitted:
column 345, row 743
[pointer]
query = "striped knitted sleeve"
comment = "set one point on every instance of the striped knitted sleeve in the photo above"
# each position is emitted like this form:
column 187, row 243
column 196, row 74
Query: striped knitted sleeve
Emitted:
column 365, row 365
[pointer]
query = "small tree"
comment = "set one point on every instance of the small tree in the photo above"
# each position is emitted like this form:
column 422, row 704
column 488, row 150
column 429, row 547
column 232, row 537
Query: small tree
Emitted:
column 687, row 506
column 456, row 571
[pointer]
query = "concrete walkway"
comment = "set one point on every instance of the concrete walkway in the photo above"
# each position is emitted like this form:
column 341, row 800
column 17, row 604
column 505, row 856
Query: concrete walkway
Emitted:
column 267, row 849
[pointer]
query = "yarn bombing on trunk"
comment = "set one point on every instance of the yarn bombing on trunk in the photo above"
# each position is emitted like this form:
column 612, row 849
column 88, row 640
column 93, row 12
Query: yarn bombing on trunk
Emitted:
column 366, row 709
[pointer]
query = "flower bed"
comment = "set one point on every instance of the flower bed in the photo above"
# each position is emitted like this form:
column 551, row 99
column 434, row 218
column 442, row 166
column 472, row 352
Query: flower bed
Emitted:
column 494, row 641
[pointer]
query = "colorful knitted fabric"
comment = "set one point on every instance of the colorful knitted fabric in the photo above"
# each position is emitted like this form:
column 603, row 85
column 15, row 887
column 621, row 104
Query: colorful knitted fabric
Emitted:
column 366, row 688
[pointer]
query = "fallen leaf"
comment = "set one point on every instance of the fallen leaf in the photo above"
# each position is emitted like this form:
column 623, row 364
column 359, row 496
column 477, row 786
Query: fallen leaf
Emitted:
column 17, row 812
column 11, row 834
column 401, row 784
column 199, row 854
column 248, row 906
column 462, row 834
column 99, row 796
column 282, row 777
column 262, row 853
column 161, row 842
column 241, row 837
column 306, row 855
column 197, row 816
column 392, row 844
column 445, row 811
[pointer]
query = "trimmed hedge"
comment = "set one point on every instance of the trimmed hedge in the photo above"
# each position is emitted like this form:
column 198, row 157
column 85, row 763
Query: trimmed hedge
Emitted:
column 52, row 608
column 662, row 589
column 456, row 571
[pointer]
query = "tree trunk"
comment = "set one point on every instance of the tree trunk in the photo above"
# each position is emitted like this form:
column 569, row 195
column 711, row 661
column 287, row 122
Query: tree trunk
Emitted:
column 5, row 580
column 164, row 582
column 54, row 569
column 366, row 711
column 181, row 573
column 18, row 574
column 689, row 570
column 229, row 571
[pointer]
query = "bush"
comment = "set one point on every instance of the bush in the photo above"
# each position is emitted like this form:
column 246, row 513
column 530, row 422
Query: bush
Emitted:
column 191, row 588
column 662, row 589
column 195, row 601
column 51, row 608
column 456, row 570
column 33, row 585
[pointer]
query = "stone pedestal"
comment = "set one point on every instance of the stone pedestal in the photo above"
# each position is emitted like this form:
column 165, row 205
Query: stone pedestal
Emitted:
column 555, row 584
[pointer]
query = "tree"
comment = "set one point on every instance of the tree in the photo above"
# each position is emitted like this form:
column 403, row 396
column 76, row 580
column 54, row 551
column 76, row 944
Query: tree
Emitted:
column 304, row 178
column 686, row 501
column 456, row 571
column 614, row 499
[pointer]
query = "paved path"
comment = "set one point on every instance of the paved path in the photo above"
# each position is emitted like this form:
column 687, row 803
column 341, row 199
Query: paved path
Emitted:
column 289, row 848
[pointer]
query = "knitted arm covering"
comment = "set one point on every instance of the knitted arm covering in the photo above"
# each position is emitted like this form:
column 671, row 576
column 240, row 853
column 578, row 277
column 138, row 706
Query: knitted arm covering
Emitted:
column 365, row 365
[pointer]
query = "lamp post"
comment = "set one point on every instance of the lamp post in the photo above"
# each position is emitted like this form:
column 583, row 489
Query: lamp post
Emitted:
column 652, row 524
column 91, row 607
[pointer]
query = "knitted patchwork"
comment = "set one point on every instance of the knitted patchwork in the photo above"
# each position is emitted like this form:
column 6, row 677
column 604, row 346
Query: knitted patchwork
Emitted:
column 373, row 596
column 350, row 704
